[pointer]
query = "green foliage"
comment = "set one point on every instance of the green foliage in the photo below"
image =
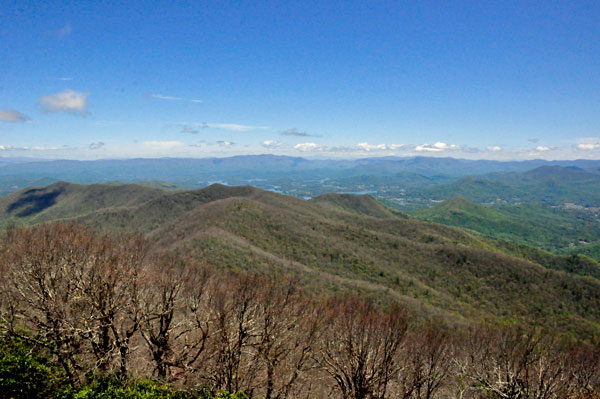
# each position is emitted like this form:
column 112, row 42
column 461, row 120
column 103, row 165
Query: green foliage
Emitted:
column 334, row 244
column 551, row 228
column 64, row 200
column 115, row 389
column 213, row 394
column 25, row 373
column 360, row 204
column 592, row 250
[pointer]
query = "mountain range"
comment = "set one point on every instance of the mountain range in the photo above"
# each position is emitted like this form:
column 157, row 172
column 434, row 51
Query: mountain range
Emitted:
column 263, row 170
column 552, row 185
column 339, row 242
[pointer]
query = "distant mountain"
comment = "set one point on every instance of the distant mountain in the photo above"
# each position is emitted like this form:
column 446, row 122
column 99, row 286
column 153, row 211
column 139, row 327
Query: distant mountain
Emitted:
column 461, row 167
column 552, row 185
column 342, row 243
column 16, row 160
column 549, row 174
column 262, row 170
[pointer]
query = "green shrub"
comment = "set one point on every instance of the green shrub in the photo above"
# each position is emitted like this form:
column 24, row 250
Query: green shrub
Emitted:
column 107, row 388
column 25, row 373
column 111, row 388
column 212, row 394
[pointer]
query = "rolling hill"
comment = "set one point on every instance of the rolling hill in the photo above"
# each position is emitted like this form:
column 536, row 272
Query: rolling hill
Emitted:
column 360, row 204
column 338, row 243
column 551, row 228
column 63, row 200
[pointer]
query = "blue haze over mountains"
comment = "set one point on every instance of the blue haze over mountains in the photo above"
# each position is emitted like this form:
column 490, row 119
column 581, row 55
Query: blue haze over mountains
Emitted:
column 396, row 181
column 260, row 166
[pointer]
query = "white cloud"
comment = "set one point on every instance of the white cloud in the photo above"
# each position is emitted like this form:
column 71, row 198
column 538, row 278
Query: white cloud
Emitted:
column 9, row 147
column 297, row 133
column 304, row 147
column 392, row 149
column 396, row 146
column 223, row 143
column 10, row 115
column 494, row 148
column 378, row 147
column 426, row 147
column 69, row 101
column 173, row 98
column 588, row 146
column 163, row 97
column 188, row 129
column 233, row 127
column 360, row 148
column 64, row 79
column 41, row 148
column 96, row 146
column 162, row 145
column 371, row 147
column 271, row 144
column 542, row 148
column 437, row 147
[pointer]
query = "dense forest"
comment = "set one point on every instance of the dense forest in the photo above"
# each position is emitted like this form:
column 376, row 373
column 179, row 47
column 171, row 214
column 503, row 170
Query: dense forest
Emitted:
column 87, row 314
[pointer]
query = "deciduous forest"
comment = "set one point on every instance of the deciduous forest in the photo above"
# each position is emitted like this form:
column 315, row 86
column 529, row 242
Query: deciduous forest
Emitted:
column 86, row 314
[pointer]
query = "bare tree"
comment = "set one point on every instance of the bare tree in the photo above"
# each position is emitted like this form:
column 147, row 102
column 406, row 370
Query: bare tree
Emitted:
column 287, row 330
column 40, row 290
column 176, row 320
column 90, row 299
column 230, row 363
column 427, row 363
column 76, row 292
column 584, row 367
column 515, row 363
column 160, row 306
column 359, row 348
column 110, row 283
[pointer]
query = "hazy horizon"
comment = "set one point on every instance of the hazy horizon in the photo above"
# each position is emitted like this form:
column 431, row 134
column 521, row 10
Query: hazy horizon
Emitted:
column 298, row 156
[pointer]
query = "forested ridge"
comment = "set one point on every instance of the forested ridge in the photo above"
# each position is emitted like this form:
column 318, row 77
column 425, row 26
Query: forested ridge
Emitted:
column 86, row 314
column 131, row 291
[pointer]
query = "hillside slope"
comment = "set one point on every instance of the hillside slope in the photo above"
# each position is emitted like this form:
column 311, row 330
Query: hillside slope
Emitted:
column 345, row 243
column 550, row 228
column 360, row 204
column 64, row 200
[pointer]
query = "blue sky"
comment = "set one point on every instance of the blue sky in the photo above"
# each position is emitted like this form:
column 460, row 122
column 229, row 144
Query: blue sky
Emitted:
column 481, row 79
